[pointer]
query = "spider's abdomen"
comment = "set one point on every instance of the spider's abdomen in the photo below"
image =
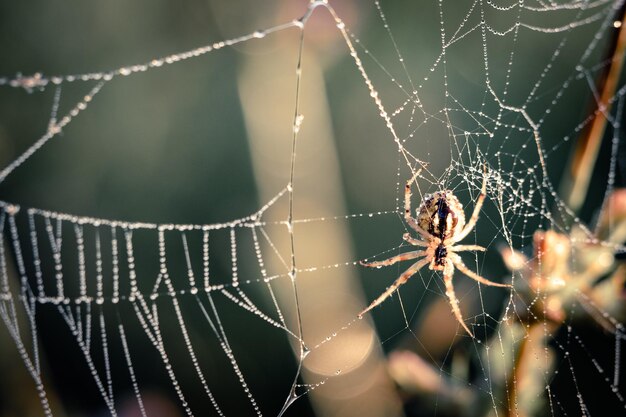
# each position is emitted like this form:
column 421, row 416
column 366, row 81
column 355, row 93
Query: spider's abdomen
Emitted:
column 441, row 214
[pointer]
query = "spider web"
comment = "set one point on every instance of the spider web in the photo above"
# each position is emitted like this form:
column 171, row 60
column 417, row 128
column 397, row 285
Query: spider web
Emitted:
column 237, row 296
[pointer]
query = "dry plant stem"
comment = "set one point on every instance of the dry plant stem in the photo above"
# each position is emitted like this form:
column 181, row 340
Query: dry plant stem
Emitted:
column 585, row 154
column 535, row 336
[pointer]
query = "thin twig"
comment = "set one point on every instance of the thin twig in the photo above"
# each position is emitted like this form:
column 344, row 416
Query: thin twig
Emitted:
column 575, row 185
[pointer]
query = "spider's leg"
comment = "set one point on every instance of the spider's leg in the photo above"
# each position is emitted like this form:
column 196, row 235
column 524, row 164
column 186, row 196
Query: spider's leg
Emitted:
column 407, row 208
column 456, row 260
column 462, row 248
column 448, row 271
column 472, row 221
column 398, row 258
column 401, row 280
column 415, row 242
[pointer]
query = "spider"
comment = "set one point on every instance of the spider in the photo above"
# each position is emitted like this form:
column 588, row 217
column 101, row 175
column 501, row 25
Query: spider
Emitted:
column 441, row 224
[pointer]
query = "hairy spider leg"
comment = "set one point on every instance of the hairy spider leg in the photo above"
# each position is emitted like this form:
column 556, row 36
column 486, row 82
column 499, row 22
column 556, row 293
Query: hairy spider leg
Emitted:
column 407, row 209
column 456, row 260
column 401, row 280
column 462, row 248
column 416, row 242
column 472, row 221
column 399, row 258
column 448, row 271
